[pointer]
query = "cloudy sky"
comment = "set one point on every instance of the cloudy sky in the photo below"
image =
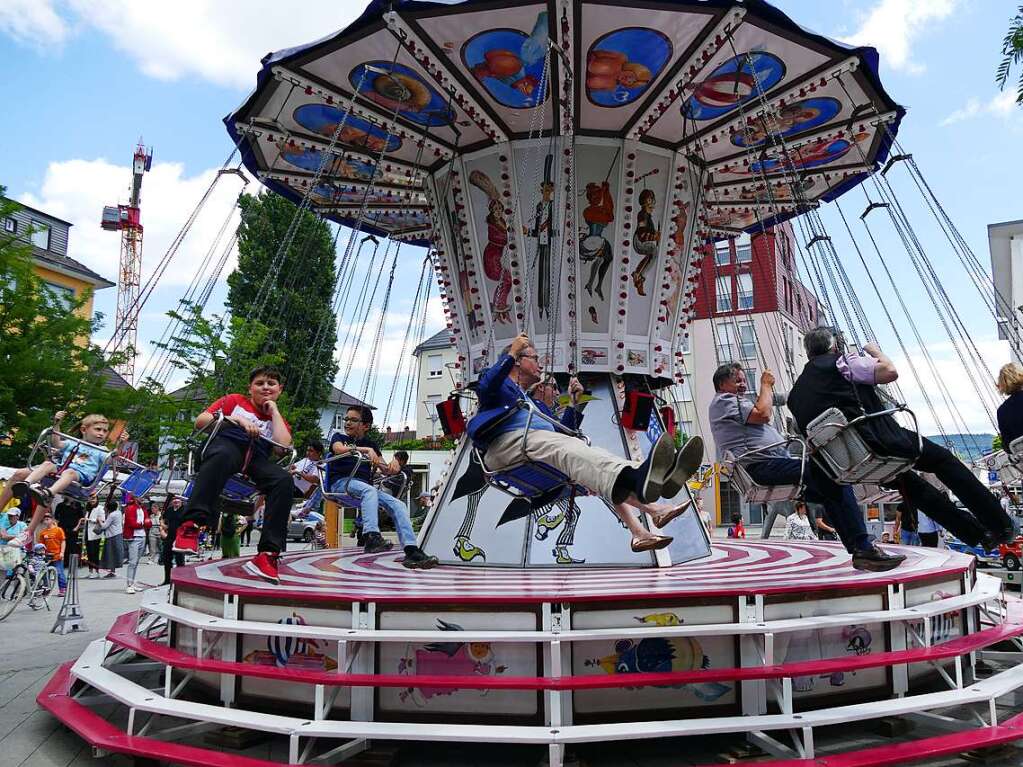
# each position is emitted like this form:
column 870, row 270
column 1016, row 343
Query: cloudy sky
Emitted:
column 87, row 78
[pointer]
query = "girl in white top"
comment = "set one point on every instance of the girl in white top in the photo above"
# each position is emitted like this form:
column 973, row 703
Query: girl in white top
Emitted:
column 798, row 528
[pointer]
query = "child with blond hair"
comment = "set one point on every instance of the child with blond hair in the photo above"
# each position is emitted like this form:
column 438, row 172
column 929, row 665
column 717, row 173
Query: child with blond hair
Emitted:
column 76, row 460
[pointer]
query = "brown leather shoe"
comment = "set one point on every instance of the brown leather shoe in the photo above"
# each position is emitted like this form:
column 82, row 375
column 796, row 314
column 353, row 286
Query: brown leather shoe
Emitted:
column 651, row 543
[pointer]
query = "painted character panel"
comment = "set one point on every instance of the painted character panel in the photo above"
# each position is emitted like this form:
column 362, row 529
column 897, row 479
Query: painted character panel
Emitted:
column 396, row 87
column 452, row 657
column 540, row 216
column 733, row 83
column 597, row 173
column 812, row 155
column 792, row 118
column 622, row 64
column 653, row 655
column 491, row 221
column 510, row 64
column 357, row 132
column 646, row 208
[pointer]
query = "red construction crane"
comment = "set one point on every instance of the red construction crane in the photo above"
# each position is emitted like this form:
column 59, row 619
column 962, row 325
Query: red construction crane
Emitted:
column 128, row 220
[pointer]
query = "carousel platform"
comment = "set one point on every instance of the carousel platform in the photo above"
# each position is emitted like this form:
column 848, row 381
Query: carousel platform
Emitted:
column 770, row 641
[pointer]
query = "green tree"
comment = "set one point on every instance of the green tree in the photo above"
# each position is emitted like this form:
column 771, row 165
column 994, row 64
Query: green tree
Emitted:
column 287, row 304
column 1012, row 54
column 216, row 355
column 46, row 360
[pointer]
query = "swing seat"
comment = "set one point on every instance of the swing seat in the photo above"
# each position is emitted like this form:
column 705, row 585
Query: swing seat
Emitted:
column 1008, row 463
column 841, row 451
column 139, row 481
column 754, row 492
column 238, row 488
column 341, row 499
column 75, row 490
column 526, row 478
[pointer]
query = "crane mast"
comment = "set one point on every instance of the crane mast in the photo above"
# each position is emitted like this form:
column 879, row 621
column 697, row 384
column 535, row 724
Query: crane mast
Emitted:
column 127, row 219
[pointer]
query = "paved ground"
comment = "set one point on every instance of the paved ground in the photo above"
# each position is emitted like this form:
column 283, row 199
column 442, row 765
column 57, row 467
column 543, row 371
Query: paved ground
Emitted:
column 30, row 737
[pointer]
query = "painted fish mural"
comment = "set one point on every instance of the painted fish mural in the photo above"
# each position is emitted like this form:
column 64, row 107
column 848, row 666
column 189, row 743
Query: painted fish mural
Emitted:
column 660, row 655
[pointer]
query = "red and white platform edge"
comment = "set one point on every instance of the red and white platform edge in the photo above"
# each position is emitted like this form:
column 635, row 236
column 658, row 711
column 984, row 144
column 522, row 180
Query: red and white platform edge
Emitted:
column 765, row 640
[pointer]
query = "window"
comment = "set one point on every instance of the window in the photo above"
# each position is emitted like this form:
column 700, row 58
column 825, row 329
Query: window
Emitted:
column 786, row 253
column 747, row 340
column 40, row 235
column 61, row 294
column 722, row 254
column 745, row 291
column 685, row 393
column 724, row 294
column 10, row 225
column 736, row 341
column 744, row 254
column 435, row 365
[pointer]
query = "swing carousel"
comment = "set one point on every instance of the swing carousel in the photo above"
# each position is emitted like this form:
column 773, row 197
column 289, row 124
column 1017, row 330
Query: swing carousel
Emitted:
column 569, row 165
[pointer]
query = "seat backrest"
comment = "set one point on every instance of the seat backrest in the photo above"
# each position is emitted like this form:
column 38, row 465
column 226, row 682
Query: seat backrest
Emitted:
column 239, row 489
column 140, row 482
column 1016, row 448
column 845, row 454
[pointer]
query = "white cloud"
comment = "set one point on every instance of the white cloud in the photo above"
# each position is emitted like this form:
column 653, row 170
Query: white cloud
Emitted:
column 215, row 41
column 77, row 191
column 1002, row 104
column 892, row 27
column 33, row 22
column 959, row 383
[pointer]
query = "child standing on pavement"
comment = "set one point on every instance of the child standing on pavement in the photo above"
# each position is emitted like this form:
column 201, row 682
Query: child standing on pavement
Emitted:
column 52, row 538
column 238, row 448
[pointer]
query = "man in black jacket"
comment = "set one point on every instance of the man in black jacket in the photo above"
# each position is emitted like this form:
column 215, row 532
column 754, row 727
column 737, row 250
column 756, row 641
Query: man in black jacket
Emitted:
column 848, row 381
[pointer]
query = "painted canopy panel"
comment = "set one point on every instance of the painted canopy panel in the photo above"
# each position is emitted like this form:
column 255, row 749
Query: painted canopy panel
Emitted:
column 625, row 57
column 501, row 52
column 411, row 83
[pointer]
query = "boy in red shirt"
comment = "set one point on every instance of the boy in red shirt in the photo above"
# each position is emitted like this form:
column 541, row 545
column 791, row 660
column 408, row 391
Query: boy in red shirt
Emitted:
column 238, row 448
column 52, row 537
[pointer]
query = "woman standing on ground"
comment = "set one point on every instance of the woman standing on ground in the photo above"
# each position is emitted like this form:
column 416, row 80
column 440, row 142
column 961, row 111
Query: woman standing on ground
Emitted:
column 136, row 529
column 113, row 539
column 798, row 527
column 155, row 543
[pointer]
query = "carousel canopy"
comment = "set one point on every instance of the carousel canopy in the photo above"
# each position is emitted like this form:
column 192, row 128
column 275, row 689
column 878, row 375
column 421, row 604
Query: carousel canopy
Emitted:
column 356, row 121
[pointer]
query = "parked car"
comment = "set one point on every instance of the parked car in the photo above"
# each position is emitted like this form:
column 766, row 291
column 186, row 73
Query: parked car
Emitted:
column 984, row 557
column 303, row 528
column 1011, row 554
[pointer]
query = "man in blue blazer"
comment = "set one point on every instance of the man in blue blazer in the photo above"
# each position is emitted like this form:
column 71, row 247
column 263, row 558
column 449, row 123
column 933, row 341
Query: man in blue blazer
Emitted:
column 499, row 433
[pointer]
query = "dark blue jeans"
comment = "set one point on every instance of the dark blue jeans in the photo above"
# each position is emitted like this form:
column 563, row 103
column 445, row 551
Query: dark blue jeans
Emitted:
column 839, row 503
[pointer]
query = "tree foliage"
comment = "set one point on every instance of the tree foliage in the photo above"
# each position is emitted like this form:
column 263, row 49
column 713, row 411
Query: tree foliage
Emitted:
column 287, row 300
column 47, row 362
column 1012, row 54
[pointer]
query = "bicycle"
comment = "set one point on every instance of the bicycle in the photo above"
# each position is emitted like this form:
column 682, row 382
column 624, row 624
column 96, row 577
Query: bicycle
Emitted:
column 22, row 581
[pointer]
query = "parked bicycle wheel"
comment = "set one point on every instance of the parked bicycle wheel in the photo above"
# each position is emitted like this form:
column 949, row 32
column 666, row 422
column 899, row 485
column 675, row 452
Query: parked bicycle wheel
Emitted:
column 11, row 593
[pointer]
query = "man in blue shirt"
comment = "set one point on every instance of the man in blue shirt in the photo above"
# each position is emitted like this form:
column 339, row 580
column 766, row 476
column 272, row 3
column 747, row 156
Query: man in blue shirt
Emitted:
column 359, row 485
column 503, row 385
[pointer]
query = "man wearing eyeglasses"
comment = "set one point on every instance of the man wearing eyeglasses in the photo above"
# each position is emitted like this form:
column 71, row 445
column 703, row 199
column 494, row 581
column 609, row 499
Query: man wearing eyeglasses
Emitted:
column 355, row 478
column 510, row 380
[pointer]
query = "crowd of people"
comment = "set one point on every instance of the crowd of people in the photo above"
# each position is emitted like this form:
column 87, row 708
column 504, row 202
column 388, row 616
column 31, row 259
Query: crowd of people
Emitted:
column 114, row 532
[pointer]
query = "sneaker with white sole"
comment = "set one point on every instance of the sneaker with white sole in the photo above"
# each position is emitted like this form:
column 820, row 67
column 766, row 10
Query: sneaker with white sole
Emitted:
column 187, row 539
column 264, row 565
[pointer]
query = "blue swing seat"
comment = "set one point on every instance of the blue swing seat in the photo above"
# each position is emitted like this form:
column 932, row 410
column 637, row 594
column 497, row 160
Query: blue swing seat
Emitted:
column 527, row 478
column 238, row 488
column 75, row 490
column 342, row 499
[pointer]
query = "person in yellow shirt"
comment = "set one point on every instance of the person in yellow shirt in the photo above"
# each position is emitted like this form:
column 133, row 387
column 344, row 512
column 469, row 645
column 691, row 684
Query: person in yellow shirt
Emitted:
column 52, row 537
